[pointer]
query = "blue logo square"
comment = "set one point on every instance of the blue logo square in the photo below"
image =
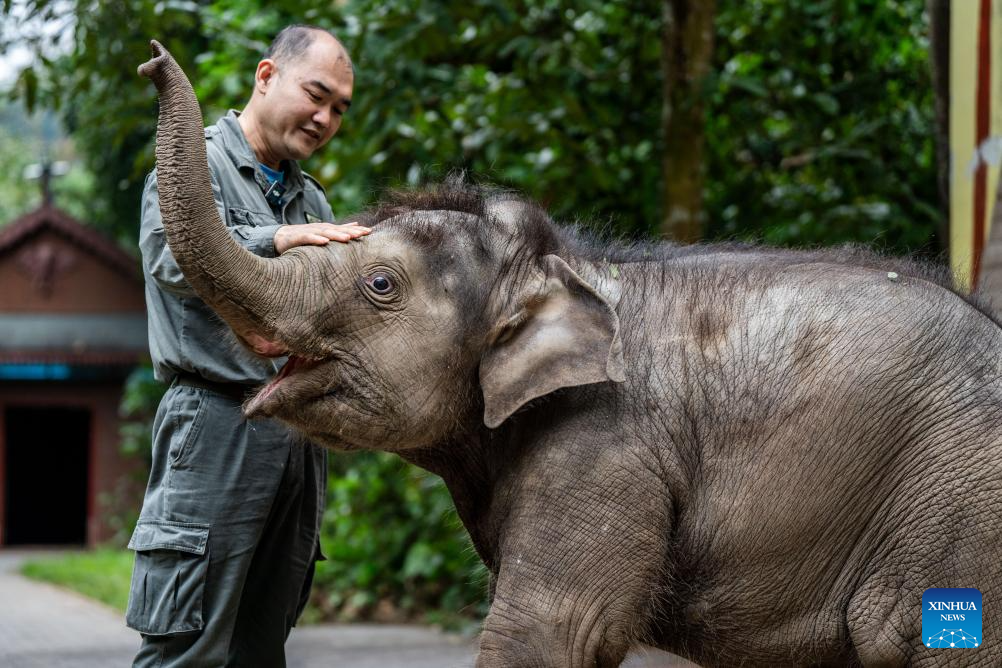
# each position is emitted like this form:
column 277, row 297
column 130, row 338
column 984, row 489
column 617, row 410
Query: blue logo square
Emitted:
column 951, row 618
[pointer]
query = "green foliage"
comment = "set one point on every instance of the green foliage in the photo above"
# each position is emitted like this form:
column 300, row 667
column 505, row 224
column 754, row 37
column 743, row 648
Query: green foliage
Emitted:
column 102, row 574
column 550, row 97
column 819, row 117
column 553, row 98
column 16, row 197
column 820, row 127
column 20, row 137
column 140, row 398
column 394, row 545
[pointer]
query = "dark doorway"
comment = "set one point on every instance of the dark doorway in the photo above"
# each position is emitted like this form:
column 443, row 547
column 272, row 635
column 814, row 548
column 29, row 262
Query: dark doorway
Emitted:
column 46, row 470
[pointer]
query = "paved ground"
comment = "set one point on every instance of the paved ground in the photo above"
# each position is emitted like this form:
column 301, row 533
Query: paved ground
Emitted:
column 42, row 626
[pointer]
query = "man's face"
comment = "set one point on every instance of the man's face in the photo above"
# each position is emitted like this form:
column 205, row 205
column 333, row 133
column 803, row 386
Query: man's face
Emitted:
column 303, row 99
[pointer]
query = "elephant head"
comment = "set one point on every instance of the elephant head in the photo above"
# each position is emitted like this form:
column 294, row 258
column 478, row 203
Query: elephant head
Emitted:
column 456, row 311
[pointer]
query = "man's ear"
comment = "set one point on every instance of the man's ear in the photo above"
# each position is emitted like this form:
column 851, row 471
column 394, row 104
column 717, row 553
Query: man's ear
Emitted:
column 564, row 334
column 265, row 73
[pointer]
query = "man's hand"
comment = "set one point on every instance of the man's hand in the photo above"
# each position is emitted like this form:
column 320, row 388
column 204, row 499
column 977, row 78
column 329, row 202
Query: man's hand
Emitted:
column 316, row 234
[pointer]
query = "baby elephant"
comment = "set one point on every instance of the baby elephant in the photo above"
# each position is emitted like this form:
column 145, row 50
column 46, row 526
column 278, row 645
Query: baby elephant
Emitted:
column 743, row 456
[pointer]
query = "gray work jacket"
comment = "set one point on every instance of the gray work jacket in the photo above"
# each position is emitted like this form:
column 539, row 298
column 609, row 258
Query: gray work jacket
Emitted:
column 185, row 334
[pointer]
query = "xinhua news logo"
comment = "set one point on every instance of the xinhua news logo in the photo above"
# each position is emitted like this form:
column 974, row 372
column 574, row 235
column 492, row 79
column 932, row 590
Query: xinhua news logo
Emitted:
column 951, row 618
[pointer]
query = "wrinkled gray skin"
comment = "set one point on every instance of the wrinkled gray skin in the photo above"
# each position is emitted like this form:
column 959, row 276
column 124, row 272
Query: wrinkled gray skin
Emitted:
column 754, row 457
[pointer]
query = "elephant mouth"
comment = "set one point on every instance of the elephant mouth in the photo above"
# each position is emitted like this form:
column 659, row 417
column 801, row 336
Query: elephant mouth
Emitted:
column 279, row 390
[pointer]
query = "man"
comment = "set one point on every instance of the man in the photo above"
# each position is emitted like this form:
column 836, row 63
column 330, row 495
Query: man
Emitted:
column 228, row 534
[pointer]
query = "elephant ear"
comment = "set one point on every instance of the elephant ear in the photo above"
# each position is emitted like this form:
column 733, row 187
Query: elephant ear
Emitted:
column 564, row 334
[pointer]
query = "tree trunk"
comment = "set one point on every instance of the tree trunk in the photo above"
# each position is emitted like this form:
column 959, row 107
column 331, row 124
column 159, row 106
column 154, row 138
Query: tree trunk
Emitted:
column 939, row 56
column 686, row 55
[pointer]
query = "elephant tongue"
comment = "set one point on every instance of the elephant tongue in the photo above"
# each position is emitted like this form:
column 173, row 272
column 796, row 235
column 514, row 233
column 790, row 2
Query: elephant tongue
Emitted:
column 287, row 369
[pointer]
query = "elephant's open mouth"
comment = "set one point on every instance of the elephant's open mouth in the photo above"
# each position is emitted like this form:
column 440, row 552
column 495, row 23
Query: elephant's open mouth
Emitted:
column 295, row 366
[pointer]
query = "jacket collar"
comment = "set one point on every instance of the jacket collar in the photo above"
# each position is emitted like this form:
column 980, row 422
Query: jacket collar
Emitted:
column 242, row 155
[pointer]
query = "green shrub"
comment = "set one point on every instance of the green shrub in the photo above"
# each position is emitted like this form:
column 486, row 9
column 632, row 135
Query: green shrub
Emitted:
column 395, row 547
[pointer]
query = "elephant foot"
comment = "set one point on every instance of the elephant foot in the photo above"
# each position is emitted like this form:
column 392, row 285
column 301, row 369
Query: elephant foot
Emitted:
column 555, row 645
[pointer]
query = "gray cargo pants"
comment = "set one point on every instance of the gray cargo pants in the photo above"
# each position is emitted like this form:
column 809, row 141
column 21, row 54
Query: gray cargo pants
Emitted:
column 227, row 538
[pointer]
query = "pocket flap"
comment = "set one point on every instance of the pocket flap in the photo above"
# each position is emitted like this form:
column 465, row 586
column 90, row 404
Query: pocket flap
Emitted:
column 164, row 535
column 253, row 218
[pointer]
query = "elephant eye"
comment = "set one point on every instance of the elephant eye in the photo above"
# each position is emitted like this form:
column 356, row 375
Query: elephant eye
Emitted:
column 380, row 284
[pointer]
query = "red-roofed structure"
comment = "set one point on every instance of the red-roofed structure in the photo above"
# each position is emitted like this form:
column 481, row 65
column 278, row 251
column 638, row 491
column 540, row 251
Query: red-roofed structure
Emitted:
column 72, row 327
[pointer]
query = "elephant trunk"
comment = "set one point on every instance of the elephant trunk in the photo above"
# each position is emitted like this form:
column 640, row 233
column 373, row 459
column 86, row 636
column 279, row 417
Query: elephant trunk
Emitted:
column 240, row 286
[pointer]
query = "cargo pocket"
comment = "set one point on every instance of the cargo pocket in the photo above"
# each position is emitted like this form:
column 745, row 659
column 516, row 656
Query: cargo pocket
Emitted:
column 168, row 578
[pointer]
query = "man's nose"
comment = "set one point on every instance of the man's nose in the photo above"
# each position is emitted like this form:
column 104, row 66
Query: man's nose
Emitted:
column 322, row 117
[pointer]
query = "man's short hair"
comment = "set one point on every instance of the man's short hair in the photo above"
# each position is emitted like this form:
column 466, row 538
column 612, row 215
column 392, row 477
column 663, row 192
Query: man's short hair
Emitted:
column 293, row 41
